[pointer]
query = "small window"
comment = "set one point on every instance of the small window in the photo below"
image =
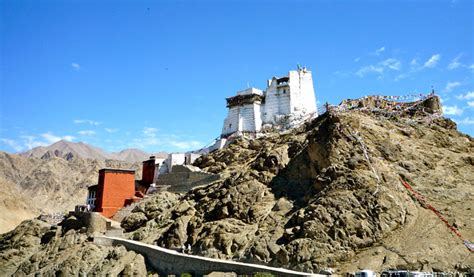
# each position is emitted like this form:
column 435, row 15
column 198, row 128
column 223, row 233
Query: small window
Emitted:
column 230, row 125
column 284, row 91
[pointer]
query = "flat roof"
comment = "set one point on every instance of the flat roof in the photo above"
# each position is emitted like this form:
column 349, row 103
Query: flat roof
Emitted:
column 118, row 170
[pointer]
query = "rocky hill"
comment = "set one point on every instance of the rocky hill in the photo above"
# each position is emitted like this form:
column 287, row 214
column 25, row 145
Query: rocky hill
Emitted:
column 35, row 247
column 328, row 195
column 324, row 196
column 67, row 150
column 31, row 185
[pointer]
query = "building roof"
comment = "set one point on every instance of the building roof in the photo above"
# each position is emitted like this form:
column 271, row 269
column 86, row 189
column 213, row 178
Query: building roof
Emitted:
column 117, row 170
column 244, row 99
column 91, row 187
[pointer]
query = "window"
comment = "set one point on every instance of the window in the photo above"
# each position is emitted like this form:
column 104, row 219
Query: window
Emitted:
column 230, row 125
column 92, row 197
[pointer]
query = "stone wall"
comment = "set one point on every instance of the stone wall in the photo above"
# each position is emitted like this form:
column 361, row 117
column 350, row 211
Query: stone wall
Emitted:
column 184, row 181
column 165, row 261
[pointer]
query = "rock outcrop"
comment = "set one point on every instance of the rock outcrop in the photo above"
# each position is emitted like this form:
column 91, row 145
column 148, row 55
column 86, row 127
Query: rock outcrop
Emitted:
column 38, row 248
column 328, row 195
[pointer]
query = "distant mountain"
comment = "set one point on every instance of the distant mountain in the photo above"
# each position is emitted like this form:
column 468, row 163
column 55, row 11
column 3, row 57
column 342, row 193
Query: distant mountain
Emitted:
column 62, row 147
column 55, row 178
column 51, row 183
column 131, row 155
column 68, row 150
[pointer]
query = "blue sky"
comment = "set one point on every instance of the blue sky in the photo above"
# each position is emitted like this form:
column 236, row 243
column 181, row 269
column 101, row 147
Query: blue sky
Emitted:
column 154, row 74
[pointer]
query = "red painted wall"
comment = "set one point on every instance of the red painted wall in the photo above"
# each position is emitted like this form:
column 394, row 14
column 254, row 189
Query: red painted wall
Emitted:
column 115, row 187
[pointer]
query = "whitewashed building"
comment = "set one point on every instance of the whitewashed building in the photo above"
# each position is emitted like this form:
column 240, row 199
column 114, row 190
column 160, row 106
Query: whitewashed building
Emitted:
column 285, row 102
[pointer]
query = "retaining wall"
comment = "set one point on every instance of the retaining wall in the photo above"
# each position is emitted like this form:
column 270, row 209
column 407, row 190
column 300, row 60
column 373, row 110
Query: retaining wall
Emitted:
column 166, row 261
column 185, row 181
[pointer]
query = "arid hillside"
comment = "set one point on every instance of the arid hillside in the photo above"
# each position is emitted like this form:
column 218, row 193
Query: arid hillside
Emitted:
column 325, row 196
column 51, row 184
column 329, row 195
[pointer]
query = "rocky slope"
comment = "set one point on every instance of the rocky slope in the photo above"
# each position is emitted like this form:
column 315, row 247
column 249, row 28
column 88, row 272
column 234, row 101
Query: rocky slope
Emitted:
column 325, row 195
column 35, row 247
column 31, row 186
column 328, row 195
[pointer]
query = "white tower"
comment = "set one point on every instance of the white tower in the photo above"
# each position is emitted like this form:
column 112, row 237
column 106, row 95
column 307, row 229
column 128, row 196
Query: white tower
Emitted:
column 286, row 102
column 292, row 95
column 244, row 114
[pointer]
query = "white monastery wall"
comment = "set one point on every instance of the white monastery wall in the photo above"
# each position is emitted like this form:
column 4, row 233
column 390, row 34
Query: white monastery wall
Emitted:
column 303, row 100
column 286, row 98
column 231, row 123
column 277, row 102
column 173, row 159
column 248, row 117
column 257, row 112
column 244, row 118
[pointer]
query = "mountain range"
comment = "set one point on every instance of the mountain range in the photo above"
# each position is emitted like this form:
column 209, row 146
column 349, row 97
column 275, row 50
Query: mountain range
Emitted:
column 67, row 149
column 55, row 178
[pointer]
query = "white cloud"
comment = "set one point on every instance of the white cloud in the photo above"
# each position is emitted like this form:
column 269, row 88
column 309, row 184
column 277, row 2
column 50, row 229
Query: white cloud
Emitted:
column 31, row 142
column 452, row 110
column 379, row 51
column 470, row 104
column 68, row 138
column 369, row 69
column 86, row 121
column 27, row 142
column 467, row 96
column 391, row 63
column 451, row 85
column 433, row 61
column 401, row 77
column 455, row 63
column 151, row 137
column 111, row 130
column 414, row 67
column 86, row 132
column 13, row 144
column 380, row 68
column 51, row 138
column 76, row 66
column 186, row 144
column 150, row 131
column 466, row 121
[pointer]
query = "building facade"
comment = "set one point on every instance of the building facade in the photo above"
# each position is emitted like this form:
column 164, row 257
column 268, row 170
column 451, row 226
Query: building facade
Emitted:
column 286, row 99
column 115, row 190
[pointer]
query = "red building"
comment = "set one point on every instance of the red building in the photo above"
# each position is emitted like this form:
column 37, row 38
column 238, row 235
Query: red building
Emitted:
column 115, row 190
